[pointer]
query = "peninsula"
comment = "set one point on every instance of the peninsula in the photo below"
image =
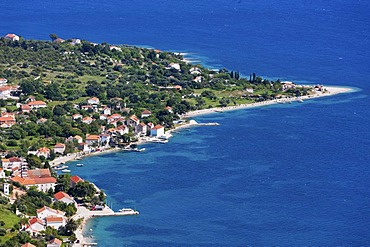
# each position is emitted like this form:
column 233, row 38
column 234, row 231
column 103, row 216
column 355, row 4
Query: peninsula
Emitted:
column 63, row 99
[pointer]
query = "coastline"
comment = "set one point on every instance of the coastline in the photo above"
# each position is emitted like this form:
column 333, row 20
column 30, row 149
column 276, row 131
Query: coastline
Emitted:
column 331, row 90
column 86, row 215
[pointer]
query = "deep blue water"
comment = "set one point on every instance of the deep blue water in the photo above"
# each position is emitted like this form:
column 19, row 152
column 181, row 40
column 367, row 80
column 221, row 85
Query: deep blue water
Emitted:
column 279, row 175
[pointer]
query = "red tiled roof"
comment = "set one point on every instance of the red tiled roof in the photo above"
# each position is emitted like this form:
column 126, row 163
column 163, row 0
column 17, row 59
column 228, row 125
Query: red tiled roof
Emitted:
column 44, row 150
column 35, row 220
column 59, row 145
column 37, row 102
column 51, row 219
column 92, row 137
column 146, row 112
column 28, row 245
column 157, row 127
column 76, row 179
column 60, row 195
column 15, row 159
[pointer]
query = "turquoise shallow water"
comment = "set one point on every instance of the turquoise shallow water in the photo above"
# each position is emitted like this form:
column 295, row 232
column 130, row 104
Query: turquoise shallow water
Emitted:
column 279, row 175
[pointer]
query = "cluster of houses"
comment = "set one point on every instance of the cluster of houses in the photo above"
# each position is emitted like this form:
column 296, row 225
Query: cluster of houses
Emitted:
column 49, row 217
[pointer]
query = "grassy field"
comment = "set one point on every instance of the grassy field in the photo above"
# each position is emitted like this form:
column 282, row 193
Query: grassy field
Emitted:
column 10, row 220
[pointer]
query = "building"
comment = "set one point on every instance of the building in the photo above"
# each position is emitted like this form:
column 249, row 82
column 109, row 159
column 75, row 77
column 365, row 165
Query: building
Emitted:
column 55, row 221
column 28, row 245
column 93, row 101
column 92, row 140
column 78, row 138
column 87, row 120
column 54, row 243
column 157, row 131
column 12, row 37
column 133, row 121
column 145, row 113
column 40, row 178
column 2, row 173
column 45, row 212
column 35, row 226
column 63, row 197
column 141, row 129
column 76, row 116
column 13, row 162
column 7, row 121
column 75, row 180
column 59, row 148
column 3, row 81
column 44, row 151
column 36, row 104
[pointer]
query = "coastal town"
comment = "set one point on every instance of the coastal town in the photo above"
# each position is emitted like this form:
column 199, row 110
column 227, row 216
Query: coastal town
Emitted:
column 52, row 116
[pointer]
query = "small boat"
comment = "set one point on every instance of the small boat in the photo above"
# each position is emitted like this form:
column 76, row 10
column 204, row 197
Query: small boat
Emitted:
column 300, row 101
column 79, row 164
column 139, row 150
column 60, row 167
column 66, row 171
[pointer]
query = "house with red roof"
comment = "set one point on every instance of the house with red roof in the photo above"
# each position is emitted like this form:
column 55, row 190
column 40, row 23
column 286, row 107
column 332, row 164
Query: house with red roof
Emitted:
column 92, row 140
column 87, row 120
column 13, row 162
column 7, row 121
column 45, row 211
column 59, row 148
column 44, row 151
column 37, row 104
column 40, row 178
column 26, row 109
column 157, row 131
column 75, row 180
column 133, row 121
column 63, row 197
column 76, row 116
column 86, row 107
column 78, row 138
column 35, row 226
column 41, row 120
column 146, row 113
column 55, row 221
column 169, row 109
column 93, row 101
column 55, row 243
column 28, row 245
column 12, row 37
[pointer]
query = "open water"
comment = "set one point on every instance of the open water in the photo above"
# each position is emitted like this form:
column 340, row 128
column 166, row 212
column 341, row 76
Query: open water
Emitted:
column 286, row 175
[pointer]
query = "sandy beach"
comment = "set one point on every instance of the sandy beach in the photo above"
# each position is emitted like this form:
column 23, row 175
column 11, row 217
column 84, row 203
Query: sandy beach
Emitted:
column 331, row 90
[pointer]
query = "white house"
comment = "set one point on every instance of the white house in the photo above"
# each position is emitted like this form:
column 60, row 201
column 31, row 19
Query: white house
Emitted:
column 93, row 101
column 3, row 81
column 45, row 211
column 145, row 113
column 2, row 173
column 92, row 140
column 35, row 225
column 44, row 151
column 195, row 71
column 5, row 92
column 13, row 162
column 78, row 138
column 55, row 221
column 12, row 37
column 175, row 66
column 133, row 121
column 63, row 197
column 141, row 129
column 107, row 111
column 76, row 116
column 59, row 148
column 75, row 41
column 157, row 131
column 40, row 178
column 87, row 120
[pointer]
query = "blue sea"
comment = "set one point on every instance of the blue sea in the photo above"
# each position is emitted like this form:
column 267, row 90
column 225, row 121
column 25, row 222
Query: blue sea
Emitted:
column 282, row 175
